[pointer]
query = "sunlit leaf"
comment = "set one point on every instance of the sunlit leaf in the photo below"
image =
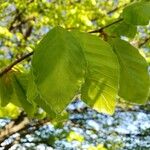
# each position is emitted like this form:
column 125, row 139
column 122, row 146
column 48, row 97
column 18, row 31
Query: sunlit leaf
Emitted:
column 58, row 68
column 9, row 111
column 34, row 97
column 134, row 78
column 122, row 29
column 6, row 89
column 101, row 85
column 20, row 89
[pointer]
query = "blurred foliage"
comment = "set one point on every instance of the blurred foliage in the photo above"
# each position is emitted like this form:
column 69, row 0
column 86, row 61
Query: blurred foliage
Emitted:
column 75, row 136
column 9, row 111
column 98, row 147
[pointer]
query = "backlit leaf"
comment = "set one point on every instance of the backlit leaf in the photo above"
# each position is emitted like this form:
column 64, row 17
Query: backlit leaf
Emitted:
column 34, row 97
column 122, row 29
column 137, row 13
column 134, row 78
column 6, row 89
column 58, row 68
column 101, row 85
column 20, row 89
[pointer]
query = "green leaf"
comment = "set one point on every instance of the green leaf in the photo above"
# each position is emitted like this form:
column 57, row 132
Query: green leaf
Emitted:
column 124, row 29
column 137, row 13
column 13, row 88
column 145, row 0
column 20, row 89
column 6, row 89
column 134, row 78
column 43, row 104
column 32, row 92
column 34, row 97
column 101, row 85
column 58, row 67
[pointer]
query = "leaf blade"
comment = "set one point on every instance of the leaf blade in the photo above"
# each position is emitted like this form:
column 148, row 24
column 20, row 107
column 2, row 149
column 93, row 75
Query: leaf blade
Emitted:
column 59, row 70
column 134, row 78
column 137, row 13
column 102, row 76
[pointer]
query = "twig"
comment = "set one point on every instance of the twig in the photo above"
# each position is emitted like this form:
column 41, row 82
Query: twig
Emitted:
column 23, row 132
column 104, row 27
column 9, row 67
column 117, row 8
column 18, row 16
column 14, row 129
column 22, row 23
column 144, row 42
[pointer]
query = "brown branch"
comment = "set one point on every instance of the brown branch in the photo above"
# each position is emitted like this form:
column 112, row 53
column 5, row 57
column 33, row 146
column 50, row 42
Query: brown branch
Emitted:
column 117, row 8
column 9, row 67
column 4, row 134
column 104, row 27
column 111, row 11
column 13, row 126
column 22, row 23
column 13, row 122
column 144, row 42
column 28, row 32
column 18, row 16
column 23, row 132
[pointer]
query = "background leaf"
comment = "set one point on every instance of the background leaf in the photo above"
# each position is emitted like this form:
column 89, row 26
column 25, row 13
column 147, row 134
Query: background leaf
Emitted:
column 137, row 13
column 134, row 78
column 122, row 29
column 6, row 89
column 20, row 90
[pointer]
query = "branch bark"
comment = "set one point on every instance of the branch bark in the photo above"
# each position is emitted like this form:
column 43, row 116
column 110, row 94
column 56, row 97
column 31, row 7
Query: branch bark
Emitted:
column 117, row 8
column 26, row 129
column 8, row 132
column 9, row 67
column 144, row 42
column 104, row 27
